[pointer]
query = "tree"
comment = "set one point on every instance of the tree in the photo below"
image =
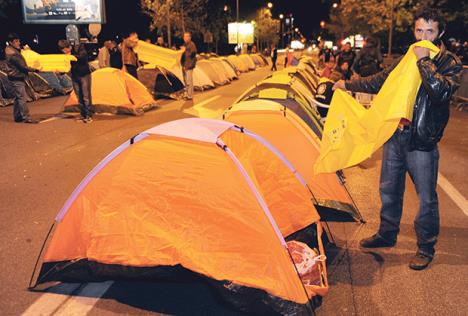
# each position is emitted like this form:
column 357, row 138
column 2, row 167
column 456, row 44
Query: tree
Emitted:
column 176, row 16
column 369, row 17
column 266, row 28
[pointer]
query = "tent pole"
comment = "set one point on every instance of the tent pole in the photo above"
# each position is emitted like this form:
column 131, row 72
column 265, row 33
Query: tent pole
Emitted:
column 39, row 256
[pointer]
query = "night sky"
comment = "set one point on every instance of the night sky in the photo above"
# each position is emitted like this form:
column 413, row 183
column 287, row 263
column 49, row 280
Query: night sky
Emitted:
column 123, row 15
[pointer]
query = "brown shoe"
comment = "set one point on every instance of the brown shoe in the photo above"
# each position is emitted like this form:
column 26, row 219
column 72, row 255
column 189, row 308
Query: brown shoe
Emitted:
column 420, row 261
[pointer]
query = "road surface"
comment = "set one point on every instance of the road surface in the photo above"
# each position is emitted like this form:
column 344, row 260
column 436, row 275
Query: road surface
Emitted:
column 41, row 165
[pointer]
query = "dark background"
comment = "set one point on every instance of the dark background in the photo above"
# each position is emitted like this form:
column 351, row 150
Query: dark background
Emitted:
column 122, row 16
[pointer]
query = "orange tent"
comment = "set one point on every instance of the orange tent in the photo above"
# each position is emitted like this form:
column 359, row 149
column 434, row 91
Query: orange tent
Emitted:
column 115, row 91
column 288, row 133
column 194, row 194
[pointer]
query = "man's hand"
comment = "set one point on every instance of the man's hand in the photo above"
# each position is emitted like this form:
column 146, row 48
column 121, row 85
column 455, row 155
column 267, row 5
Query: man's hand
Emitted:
column 340, row 84
column 421, row 52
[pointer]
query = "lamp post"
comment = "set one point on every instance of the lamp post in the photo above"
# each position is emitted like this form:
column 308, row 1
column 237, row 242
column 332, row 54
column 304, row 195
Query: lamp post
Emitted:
column 237, row 23
column 270, row 5
column 281, row 16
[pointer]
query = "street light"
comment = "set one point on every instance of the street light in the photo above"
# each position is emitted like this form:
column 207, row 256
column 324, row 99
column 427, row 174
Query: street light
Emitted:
column 296, row 29
column 270, row 5
column 322, row 24
column 225, row 8
column 335, row 5
column 281, row 16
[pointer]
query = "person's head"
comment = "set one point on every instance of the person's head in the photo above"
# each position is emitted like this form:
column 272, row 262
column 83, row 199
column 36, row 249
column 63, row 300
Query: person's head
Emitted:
column 187, row 37
column 107, row 44
column 131, row 39
column 64, row 46
column 347, row 47
column 321, row 44
column 112, row 44
column 428, row 25
column 14, row 40
column 160, row 40
column 371, row 42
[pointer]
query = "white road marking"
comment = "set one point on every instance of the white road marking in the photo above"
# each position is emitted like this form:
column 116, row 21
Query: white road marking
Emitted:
column 84, row 301
column 201, row 111
column 453, row 193
column 74, row 299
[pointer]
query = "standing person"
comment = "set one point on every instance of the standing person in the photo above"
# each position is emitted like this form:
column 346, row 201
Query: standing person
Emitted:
column 274, row 57
column 369, row 59
column 413, row 147
column 346, row 55
column 104, row 55
column 115, row 55
column 160, row 42
column 129, row 56
column 289, row 57
column 17, row 73
column 81, row 77
column 188, row 62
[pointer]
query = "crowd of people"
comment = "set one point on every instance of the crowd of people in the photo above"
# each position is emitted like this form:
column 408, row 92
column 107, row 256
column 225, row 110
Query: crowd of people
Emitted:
column 120, row 56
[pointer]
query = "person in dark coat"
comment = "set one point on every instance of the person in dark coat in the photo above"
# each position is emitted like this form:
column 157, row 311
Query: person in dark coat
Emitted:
column 274, row 57
column 413, row 147
column 81, row 77
column 188, row 62
column 369, row 59
column 17, row 73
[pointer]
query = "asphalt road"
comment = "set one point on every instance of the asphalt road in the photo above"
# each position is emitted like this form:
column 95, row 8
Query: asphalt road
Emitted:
column 41, row 165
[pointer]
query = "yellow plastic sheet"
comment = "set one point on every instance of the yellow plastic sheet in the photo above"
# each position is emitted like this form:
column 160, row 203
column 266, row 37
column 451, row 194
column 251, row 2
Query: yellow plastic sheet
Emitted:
column 48, row 62
column 353, row 133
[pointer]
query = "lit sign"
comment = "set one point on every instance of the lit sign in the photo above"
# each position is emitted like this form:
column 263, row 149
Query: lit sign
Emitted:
column 241, row 33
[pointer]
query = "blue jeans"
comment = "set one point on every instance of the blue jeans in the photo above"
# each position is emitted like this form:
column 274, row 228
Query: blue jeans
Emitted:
column 20, row 107
column 82, row 87
column 422, row 167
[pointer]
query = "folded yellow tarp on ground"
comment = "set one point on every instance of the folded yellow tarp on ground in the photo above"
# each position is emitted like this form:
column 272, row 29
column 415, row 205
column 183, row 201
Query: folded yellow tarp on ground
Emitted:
column 353, row 133
column 48, row 62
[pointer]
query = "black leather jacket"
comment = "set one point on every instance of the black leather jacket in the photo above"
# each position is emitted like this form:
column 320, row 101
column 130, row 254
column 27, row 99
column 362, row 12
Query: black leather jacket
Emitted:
column 17, row 68
column 440, row 79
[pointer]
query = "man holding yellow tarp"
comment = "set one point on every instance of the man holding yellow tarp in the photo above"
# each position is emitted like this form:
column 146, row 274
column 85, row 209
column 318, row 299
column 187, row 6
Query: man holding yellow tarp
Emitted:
column 408, row 115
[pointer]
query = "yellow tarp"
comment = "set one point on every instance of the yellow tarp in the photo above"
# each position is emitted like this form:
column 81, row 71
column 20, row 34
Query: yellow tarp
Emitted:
column 352, row 133
column 48, row 62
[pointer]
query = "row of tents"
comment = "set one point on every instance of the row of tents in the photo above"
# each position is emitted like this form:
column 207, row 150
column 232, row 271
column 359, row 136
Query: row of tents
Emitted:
column 114, row 91
column 226, row 200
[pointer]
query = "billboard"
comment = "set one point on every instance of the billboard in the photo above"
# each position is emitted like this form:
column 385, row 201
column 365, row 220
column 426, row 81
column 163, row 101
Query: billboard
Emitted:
column 241, row 33
column 63, row 11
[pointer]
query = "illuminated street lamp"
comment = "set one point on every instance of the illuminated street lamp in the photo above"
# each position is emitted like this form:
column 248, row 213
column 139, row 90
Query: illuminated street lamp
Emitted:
column 322, row 24
column 281, row 16
column 225, row 8
column 335, row 5
column 270, row 5
column 296, row 29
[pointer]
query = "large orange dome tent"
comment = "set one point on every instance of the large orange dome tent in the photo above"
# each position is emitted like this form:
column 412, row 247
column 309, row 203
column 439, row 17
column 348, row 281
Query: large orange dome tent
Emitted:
column 115, row 91
column 197, row 195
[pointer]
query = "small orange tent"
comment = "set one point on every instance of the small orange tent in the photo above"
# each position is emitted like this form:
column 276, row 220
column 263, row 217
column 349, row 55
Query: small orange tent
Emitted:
column 115, row 91
column 288, row 133
column 194, row 194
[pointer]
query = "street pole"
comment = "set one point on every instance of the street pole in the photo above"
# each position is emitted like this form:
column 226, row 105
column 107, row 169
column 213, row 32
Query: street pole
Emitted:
column 390, row 31
column 237, row 23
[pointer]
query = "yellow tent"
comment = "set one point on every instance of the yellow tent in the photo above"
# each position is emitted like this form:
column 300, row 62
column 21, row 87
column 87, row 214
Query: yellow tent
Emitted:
column 353, row 133
column 288, row 133
column 154, row 56
column 115, row 91
column 240, row 64
column 48, row 62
